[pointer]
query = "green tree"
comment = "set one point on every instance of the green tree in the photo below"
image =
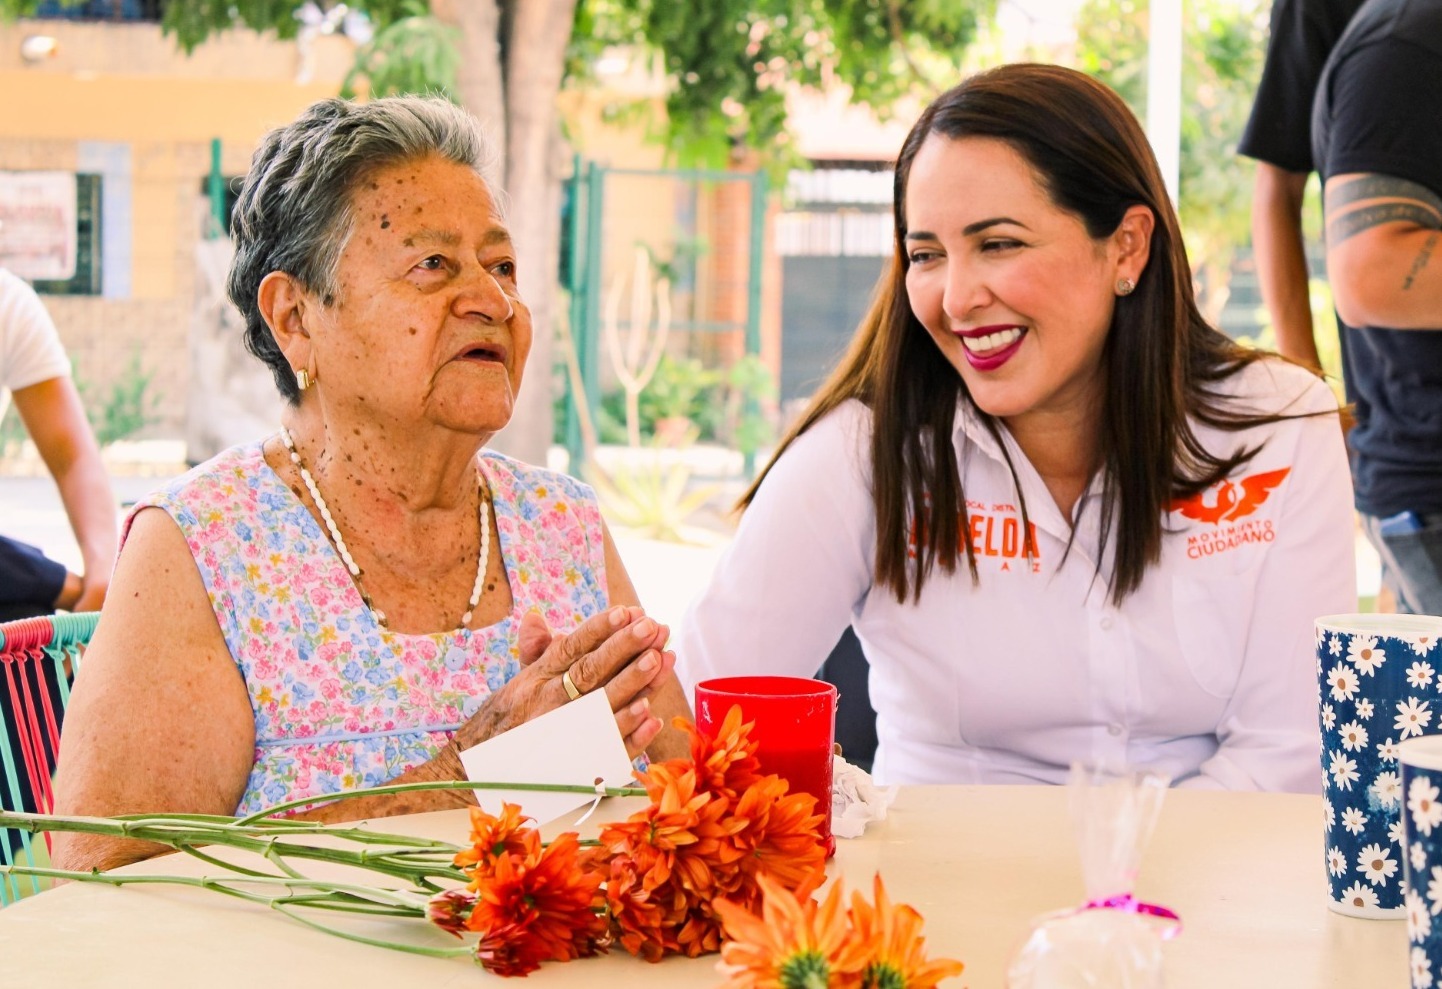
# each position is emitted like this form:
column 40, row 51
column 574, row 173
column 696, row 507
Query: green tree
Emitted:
column 1222, row 49
column 727, row 61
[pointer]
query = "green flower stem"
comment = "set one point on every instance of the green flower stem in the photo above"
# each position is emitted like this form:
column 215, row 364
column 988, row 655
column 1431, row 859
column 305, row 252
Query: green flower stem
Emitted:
column 259, row 839
column 132, row 826
column 364, row 900
column 194, row 852
column 414, row 949
column 411, row 902
column 329, row 798
column 419, row 861
column 275, row 856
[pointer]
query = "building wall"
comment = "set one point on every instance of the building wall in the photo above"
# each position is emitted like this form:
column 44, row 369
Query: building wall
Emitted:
column 121, row 101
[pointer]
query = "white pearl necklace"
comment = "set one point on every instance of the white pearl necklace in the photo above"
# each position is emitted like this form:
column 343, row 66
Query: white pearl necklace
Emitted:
column 350, row 564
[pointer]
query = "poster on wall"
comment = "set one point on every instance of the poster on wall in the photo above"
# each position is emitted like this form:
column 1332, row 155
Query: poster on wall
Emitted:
column 37, row 224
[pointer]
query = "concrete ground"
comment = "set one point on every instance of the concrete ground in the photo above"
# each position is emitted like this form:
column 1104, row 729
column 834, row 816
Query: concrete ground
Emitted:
column 666, row 575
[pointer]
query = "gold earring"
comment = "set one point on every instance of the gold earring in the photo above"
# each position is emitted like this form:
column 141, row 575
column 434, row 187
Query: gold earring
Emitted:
column 302, row 378
column 1125, row 286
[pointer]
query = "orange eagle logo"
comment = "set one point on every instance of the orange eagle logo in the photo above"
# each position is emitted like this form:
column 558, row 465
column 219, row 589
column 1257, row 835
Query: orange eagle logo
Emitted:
column 1233, row 501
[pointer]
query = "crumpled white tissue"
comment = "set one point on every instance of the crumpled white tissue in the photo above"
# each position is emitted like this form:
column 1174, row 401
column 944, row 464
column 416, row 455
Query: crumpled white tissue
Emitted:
column 855, row 800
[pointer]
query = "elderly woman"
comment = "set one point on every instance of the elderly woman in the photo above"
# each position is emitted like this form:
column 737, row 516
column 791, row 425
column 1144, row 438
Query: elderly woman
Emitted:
column 358, row 597
column 1067, row 518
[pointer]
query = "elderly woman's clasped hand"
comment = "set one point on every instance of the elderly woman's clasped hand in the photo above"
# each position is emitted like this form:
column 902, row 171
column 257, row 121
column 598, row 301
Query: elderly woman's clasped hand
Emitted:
column 620, row 651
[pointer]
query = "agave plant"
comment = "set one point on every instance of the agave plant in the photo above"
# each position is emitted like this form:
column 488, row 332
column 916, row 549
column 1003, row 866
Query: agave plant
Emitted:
column 653, row 498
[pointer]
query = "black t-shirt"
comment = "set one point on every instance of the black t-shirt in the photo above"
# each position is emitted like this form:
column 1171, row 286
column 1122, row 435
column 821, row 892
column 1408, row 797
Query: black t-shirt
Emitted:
column 1303, row 32
column 1379, row 109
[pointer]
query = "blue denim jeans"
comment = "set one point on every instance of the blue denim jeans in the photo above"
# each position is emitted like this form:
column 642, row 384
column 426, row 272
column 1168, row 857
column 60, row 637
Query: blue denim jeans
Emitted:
column 1411, row 564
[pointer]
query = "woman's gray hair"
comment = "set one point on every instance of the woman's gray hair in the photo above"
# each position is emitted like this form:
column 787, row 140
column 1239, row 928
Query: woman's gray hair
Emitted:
column 294, row 213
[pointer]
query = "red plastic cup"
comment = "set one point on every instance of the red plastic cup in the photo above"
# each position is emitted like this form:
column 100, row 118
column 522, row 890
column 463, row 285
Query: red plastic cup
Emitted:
column 795, row 727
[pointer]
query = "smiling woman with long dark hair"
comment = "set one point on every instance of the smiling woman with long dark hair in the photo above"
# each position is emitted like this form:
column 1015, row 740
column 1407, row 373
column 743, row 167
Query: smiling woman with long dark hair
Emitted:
column 1065, row 516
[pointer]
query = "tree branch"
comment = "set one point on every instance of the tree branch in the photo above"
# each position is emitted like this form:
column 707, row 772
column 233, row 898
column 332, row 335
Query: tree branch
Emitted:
column 898, row 38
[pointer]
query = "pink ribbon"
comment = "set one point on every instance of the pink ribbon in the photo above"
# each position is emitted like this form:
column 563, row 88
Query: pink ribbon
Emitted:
column 1130, row 904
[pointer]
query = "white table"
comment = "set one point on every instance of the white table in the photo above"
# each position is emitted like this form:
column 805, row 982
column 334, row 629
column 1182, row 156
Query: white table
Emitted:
column 1245, row 871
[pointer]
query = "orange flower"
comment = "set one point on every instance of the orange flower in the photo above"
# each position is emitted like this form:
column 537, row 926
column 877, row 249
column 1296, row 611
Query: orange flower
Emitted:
column 792, row 945
column 892, row 938
column 672, row 855
column 508, row 951
column 636, row 915
column 701, row 932
column 538, row 905
column 778, row 835
column 726, row 764
column 714, row 829
column 493, row 836
column 680, row 831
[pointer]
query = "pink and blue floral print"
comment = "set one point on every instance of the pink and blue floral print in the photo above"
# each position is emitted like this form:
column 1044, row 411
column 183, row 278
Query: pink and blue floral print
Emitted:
column 341, row 702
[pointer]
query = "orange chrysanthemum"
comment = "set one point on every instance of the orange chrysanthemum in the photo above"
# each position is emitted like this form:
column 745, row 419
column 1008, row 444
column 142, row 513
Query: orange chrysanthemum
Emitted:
column 493, row 836
column 713, row 828
column 777, row 833
column 700, row 932
column 538, row 905
column 670, row 854
column 509, row 951
column 726, row 764
column 681, row 831
column 892, row 936
column 794, row 944
column 637, row 917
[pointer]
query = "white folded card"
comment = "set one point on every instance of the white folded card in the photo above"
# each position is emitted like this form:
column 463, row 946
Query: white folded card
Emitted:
column 577, row 743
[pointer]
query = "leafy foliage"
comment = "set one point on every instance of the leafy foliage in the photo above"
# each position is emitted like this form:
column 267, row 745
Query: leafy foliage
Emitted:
column 123, row 409
column 1324, row 322
column 726, row 406
column 191, row 22
column 116, row 412
column 1222, row 50
column 680, row 389
column 415, row 54
column 12, row 431
column 750, row 383
column 729, row 60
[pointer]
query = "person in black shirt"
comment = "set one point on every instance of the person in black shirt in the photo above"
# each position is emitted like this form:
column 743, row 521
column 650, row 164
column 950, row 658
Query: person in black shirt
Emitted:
column 1279, row 137
column 1377, row 142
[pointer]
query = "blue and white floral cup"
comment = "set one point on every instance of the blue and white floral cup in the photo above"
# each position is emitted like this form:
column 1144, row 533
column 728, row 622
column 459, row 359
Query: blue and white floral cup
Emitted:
column 1381, row 684
column 1421, row 760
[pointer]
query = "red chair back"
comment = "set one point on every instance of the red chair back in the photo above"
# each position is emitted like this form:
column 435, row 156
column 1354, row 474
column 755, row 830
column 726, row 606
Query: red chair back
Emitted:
column 38, row 658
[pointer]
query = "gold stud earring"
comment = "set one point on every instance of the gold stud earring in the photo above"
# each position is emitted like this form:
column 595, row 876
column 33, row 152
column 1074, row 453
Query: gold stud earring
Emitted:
column 302, row 378
column 1125, row 286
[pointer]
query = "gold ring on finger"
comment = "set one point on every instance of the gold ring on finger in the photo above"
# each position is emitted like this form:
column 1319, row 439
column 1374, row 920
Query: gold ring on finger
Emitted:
column 571, row 690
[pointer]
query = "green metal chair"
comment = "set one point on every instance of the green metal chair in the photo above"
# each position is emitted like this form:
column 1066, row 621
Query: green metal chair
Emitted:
column 38, row 658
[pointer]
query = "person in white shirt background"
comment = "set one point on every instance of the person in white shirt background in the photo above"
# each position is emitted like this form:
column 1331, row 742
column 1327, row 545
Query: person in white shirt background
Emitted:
column 1066, row 518
column 36, row 373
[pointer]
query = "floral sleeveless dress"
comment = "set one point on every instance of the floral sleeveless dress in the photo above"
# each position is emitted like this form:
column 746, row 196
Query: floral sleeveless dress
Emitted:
column 341, row 702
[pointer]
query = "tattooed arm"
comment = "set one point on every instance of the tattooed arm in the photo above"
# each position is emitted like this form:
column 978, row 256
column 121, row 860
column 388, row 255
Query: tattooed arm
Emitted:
column 1384, row 251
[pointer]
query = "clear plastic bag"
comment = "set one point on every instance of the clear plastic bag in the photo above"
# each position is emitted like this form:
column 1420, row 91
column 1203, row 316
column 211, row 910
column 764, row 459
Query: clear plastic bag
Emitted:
column 1111, row 941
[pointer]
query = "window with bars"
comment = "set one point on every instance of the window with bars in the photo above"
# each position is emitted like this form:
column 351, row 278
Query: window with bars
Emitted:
column 837, row 209
column 86, row 280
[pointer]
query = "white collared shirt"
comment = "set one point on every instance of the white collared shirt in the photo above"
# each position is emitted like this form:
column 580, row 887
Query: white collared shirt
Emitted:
column 1206, row 672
